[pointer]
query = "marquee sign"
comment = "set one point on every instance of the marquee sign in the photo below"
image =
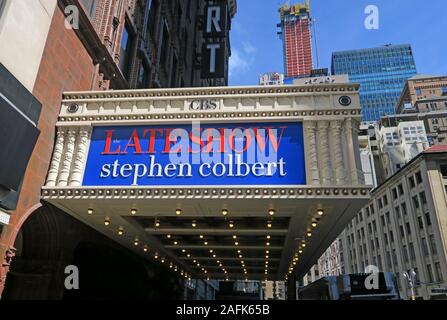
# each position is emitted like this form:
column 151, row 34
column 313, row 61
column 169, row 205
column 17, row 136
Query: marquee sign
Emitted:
column 196, row 155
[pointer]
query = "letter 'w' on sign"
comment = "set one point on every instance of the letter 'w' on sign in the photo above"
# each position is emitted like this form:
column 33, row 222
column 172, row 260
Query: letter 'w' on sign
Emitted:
column 72, row 17
column 372, row 281
column 72, row 280
column 213, row 19
column 372, row 20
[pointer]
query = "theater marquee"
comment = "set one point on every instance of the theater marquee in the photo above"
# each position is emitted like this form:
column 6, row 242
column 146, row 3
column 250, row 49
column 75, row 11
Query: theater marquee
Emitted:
column 202, row 176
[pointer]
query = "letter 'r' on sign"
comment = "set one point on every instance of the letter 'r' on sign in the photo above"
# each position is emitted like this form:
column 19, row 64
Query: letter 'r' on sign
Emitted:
column 213, row 19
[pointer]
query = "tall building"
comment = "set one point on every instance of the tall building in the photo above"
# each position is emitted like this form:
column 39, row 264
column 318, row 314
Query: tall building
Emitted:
column 424, row 98
column 381, row 72
column 274, row 290
column 399, row 144
column 403, row 228
column 117, row 45
column 331, row 263
column 296, row 36
column 271, row 79
column 369, row 150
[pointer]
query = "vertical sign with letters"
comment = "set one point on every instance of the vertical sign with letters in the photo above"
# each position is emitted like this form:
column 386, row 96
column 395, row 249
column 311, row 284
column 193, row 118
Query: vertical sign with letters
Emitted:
column 215, row 35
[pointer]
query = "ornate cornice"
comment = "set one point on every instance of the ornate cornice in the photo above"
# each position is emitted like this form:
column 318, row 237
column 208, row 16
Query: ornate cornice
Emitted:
column 256, row 91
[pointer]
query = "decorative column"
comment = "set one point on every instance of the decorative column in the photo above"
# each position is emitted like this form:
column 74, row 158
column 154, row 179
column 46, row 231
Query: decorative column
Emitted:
column 68, row 158
column 351, row 135
column 80, row 157
column 340, row 172
column 323, row 153
column 57, row 156
column 311, row 139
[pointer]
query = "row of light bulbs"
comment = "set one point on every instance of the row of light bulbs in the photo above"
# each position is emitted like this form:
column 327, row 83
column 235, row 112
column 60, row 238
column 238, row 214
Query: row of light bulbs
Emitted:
column 136, row 242
column 225, row 212
column 313, row 225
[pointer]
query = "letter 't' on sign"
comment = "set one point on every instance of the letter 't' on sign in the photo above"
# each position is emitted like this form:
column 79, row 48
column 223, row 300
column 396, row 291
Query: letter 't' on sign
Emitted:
column 213, row 56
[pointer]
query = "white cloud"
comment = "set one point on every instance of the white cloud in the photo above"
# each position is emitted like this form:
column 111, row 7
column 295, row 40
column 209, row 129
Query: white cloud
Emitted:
column 238, row 62
column 248, row 48
column 241, row 59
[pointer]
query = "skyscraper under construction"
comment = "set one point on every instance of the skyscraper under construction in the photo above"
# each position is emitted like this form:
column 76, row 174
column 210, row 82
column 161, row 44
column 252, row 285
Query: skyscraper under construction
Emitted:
column 296, row 36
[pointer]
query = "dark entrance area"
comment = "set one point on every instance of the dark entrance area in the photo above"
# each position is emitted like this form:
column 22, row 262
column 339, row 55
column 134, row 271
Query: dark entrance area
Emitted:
column 50, row 240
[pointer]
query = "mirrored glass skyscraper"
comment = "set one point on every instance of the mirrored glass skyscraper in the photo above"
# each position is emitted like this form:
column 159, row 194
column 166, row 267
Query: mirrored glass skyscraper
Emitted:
column 382, row 73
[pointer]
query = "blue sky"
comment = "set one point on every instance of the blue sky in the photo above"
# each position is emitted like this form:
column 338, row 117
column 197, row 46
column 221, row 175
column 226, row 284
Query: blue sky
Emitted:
column 256, row 48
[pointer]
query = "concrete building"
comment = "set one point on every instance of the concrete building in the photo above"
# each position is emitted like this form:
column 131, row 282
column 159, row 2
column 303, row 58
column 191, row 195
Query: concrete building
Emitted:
column 424, row 98
column 399, row 145
column 70, row 45
column 311, row 276
column 369, row 152
column 331, row 263
column 271, row 79
column 404, row 227
column 274, row 290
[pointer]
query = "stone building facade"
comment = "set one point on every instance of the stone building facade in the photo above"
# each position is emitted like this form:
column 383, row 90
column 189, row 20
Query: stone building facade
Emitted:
column 404, row 226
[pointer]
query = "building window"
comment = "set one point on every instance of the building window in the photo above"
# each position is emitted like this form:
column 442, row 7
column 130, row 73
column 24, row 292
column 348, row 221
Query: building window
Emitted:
column 427, row 219
column 2, row 6
column 416, row 202
column 397, row 210
column 151, row 28
column 429, row 273
column 444, row 170
column 404, row 248
column 438, row 272
column 421, row 223
column 433, row 248
column 164, row 53
column 174, row 71
column 411, row 182
column 143, row 77
column 418, row 177
column 418, row 92
column 90, row 7
column 424, row 247
column 404, row 209
column 401, row 189
column 412, row 253
column 394, row 191
column 402, row 231
column 126, row 51
column 423, row 198
column 407, row 226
